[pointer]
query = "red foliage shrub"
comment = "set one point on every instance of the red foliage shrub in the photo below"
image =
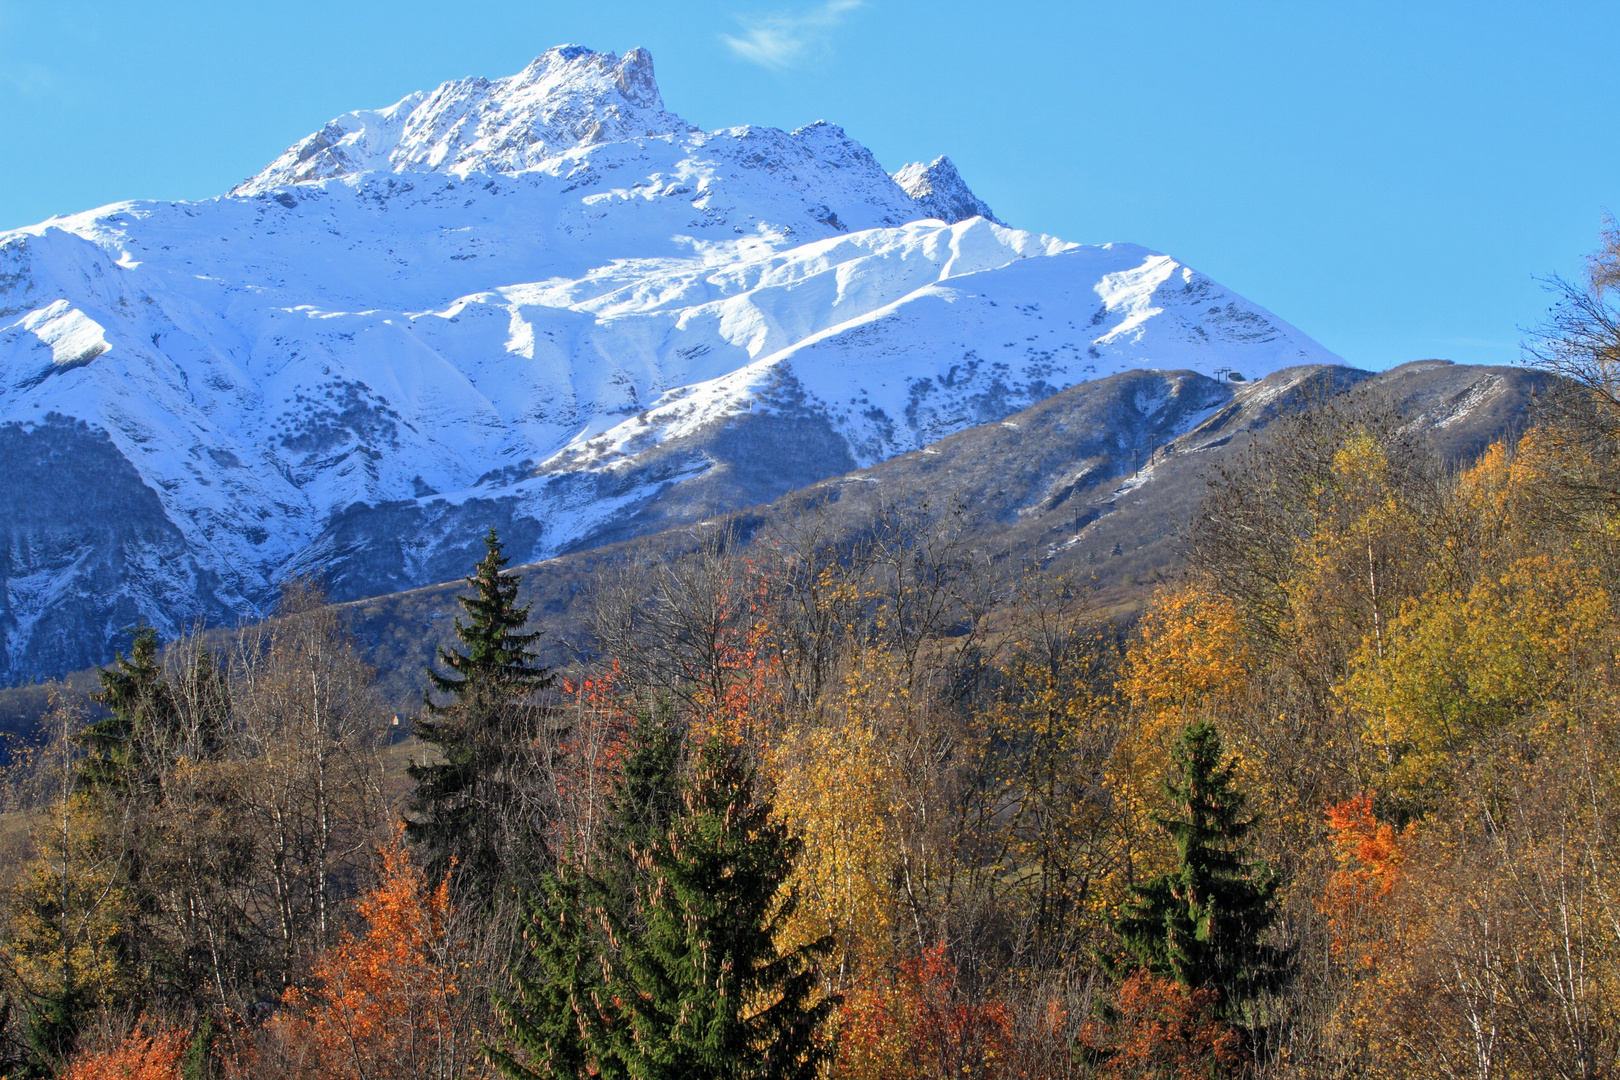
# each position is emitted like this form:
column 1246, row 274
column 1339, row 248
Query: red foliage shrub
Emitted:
column 144, row 1054
column 1164, row 1031
column 921, row 1025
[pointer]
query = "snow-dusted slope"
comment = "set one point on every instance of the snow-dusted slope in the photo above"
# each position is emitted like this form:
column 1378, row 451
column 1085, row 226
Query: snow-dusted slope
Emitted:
column 542, row 302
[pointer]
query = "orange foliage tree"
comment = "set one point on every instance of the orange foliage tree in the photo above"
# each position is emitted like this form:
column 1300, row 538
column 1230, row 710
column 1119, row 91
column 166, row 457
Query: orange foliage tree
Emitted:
column 921, row 1025
column 1369, row 853
column 1364, row 928
column 385, row 1003
column 144, row 1054
column 745, row 695
column 600, row 717
column 1164, row 1031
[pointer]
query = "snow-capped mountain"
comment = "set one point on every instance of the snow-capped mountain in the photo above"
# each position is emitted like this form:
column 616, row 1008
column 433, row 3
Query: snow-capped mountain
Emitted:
column 542, row 302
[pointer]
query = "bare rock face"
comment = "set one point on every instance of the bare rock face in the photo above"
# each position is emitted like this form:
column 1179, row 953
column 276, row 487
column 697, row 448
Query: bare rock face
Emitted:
column 89, row 552
column 940, row 190
column 541, row 302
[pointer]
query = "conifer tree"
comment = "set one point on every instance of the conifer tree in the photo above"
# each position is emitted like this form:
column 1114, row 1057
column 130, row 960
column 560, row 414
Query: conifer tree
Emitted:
column 1201, row 922
column 119, row 785
column 497, row 662
column 73, row 911
column 480, row 807
column 561, row 1016
column 684, row 978
column 134, row 690
column 708, row 957
column 557, row 1015
column 155, row 717
column 644, row 804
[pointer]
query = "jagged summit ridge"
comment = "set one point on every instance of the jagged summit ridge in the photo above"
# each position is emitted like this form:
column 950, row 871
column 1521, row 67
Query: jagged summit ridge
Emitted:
column 571, row 99
column 939, row 188
column 568, row 97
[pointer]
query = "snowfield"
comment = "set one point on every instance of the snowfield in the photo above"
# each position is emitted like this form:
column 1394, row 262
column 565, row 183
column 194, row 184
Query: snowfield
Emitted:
column 540, row 302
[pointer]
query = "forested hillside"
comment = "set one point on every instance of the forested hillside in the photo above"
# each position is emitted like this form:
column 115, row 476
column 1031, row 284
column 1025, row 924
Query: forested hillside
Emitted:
column 1339, row 801
column 1099, row 481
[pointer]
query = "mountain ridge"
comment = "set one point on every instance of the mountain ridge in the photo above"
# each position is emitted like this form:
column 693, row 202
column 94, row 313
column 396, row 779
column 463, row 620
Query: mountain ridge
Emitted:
column 359, row 368
column 1100, row 482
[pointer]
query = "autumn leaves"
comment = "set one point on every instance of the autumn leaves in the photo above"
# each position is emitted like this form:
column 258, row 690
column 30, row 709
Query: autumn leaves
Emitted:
column 866, row 804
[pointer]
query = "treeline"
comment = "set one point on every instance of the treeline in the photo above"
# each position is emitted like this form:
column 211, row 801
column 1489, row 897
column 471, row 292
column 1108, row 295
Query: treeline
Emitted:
column 193, row 853
column 1339, row 802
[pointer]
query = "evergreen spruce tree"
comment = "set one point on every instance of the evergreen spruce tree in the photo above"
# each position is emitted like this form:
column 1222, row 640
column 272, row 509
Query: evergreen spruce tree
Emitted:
column 561, row 1017
column 713, row 908
column 118, row 780
column 158, row 717
column 113, row 777
column 644, row 804
column 154, row 719
column 557, row 1015
column 134, row 691
column 480, row 806
column 51, row 1031
column 1201, row 923
column 666, row 981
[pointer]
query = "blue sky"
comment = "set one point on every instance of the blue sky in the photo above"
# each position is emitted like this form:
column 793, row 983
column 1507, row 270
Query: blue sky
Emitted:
column 1390, row 177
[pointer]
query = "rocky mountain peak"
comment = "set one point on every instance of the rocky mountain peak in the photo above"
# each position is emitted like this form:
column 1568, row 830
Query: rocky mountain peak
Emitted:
column 539, row 302
column 940, row 189
column 568, row 97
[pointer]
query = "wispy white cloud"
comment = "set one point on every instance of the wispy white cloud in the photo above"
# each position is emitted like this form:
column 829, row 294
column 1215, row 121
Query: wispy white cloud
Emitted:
column 786, row 40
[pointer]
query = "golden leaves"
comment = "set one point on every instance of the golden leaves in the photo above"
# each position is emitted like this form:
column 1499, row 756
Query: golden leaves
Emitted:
column 70, row 910
column 1513, row 649
column 836, row 787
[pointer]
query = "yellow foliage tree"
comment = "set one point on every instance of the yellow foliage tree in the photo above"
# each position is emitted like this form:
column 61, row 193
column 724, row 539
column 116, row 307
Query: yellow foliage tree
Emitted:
column 1351, row 567
column 836, row 787
column 1191, row 660
column 69, row 917
column 1459, row 665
